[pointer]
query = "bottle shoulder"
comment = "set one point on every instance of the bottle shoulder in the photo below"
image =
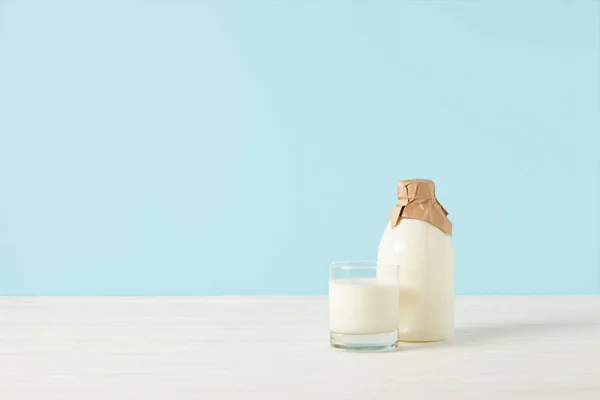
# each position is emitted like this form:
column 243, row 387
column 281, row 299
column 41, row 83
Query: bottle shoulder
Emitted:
column 415, row 231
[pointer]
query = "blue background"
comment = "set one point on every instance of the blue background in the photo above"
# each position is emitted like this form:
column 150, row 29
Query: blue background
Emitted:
column 236, row 147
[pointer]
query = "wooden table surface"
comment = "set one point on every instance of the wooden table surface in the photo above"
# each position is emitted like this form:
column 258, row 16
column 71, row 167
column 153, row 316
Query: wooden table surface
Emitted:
column 277, row 348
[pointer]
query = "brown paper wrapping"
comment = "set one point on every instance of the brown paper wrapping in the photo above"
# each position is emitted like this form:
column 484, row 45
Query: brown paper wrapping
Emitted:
column 416, row 199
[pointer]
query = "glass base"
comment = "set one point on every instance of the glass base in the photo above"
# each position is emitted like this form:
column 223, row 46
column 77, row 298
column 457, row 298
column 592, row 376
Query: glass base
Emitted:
column 369, row 343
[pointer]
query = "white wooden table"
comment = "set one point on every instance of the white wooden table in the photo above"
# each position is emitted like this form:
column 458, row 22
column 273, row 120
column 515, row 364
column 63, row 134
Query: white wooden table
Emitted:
column 277, row 348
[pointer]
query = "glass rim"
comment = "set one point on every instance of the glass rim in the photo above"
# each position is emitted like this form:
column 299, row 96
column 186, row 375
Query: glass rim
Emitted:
column 360, row 264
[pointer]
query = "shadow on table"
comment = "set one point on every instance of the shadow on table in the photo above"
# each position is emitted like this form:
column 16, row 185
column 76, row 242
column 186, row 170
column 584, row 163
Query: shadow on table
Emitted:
column 466, row 336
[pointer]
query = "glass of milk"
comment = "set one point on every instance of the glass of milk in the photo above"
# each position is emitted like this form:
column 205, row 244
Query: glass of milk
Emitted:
column 363, row 306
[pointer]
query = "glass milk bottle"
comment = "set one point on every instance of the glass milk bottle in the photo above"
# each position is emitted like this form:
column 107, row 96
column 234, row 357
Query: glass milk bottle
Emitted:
column 417, row 238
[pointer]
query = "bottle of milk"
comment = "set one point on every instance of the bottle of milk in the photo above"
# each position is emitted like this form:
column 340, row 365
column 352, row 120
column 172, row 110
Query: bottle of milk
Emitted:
column 417, row 238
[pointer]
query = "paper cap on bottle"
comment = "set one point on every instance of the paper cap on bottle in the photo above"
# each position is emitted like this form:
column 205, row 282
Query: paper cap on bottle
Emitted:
column 417, row 200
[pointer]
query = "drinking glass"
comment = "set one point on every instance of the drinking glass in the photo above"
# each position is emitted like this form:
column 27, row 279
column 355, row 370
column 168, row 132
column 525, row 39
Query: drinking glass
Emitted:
column 363, row 306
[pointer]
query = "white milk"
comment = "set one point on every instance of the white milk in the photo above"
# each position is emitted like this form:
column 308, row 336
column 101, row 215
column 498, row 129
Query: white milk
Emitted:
column 362, row 306
column 426, row 279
